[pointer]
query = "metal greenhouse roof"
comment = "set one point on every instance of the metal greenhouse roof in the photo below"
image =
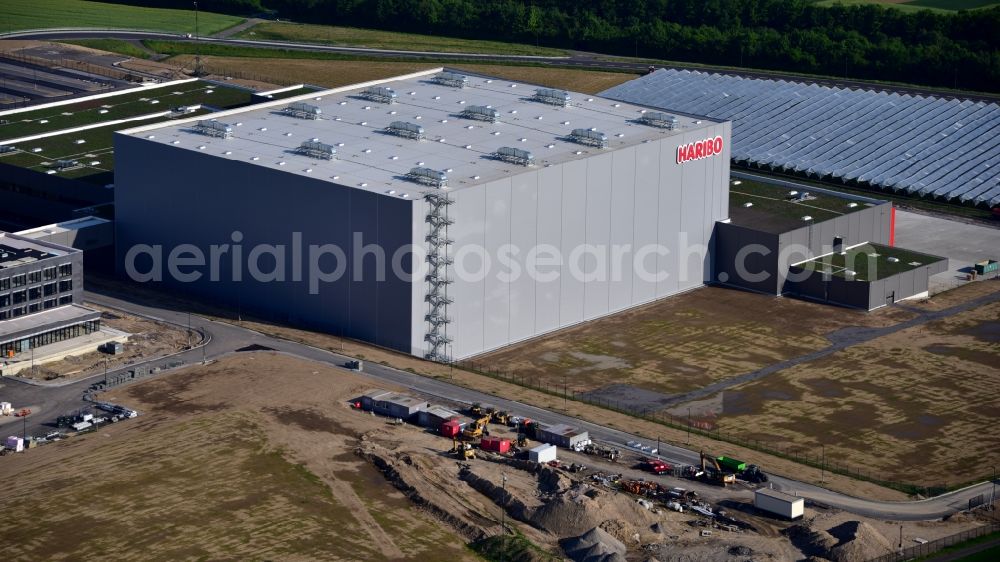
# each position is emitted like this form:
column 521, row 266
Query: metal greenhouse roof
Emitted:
column 945, row 148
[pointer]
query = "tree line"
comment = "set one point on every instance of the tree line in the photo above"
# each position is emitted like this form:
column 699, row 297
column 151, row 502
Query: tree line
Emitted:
column 859, row 41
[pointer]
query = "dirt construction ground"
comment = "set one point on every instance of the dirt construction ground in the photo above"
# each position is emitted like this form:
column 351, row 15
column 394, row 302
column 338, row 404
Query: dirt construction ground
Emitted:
column 148, row 340
column 342, row 73
column 259, row 456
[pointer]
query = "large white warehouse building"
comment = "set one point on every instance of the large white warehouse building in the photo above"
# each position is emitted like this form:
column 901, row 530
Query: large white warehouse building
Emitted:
column 434, row 213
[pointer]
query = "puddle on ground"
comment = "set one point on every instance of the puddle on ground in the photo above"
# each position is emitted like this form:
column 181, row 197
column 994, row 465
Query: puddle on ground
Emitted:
column 990, row 359
column 985, row 331
column 923, row 427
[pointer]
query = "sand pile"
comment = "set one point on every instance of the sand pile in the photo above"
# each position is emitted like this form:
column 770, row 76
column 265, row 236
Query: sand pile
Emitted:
column 811, row 542
column 859, row 541
column 596, row 545
column 574, row 511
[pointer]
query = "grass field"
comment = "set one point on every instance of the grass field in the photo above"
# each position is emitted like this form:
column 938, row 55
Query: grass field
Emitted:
column 681, row 343
column 911, row 406
column 44, row 14
column 341, row 73
column 916, row 5
column 354, row 37
column 241, row 460
column 884, row 406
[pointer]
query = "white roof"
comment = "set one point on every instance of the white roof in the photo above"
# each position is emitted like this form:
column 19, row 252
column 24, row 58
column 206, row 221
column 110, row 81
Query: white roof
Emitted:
column 771, row 493
column 368, row 158
column 542, row 447
column 61, row 227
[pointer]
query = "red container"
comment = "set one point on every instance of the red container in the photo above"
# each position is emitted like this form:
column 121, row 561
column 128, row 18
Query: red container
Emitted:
column 495, row 444
column 451, row 428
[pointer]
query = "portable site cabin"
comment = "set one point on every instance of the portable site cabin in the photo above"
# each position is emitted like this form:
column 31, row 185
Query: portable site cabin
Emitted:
column 542, row 453
column 778, row 503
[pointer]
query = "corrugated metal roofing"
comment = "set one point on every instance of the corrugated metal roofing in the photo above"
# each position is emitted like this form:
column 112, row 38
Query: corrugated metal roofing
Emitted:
column 927, row 146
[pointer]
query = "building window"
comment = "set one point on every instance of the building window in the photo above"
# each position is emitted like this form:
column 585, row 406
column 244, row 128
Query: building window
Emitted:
column 4, row 300
column 66, row 285
column 4, row 315
column 50, row 273
column 68, row 299
column 19, row 311
column 34, row 307
column 5, row 284
column 18, row 280
column 19, row 296
column 65, row 270
column 50, row 303
column 34, row 293
column 49, row 289
column 35, row 276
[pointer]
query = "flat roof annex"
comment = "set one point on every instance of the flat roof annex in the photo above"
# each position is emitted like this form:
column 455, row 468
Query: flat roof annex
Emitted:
column 368, row 158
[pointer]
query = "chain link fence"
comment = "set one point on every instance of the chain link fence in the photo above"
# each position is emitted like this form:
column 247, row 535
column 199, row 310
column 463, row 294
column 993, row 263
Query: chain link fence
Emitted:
column 931, row 547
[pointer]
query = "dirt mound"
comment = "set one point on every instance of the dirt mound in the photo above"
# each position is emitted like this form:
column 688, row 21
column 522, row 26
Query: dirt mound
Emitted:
column 811, row 542
column 740, row 550
column 859, row 541
column 596, row 545
column 574, row 511
column 620, row 530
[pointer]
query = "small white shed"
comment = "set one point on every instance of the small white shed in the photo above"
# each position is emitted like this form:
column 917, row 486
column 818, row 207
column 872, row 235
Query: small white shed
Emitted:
column 542, row 453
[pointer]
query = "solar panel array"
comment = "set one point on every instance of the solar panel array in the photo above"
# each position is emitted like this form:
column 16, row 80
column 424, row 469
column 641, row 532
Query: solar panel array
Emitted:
column 928, row 146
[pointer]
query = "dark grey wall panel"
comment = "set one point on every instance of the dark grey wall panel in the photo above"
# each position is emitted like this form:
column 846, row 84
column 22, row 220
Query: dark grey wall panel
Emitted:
column 168, row 197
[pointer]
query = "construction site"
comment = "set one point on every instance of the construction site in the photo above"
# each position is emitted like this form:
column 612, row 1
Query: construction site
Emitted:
column 270, row 450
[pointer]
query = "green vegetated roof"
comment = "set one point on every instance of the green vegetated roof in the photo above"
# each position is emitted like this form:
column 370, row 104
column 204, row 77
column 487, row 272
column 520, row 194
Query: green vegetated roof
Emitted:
column 128, row 104
column 869, row 262
column 98, row 143
column 774, row 210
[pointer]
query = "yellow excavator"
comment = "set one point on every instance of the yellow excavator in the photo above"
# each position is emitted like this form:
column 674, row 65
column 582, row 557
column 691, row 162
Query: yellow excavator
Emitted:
column 476, row 431
column 500, row 417
column 715, row 473
column 462, row 450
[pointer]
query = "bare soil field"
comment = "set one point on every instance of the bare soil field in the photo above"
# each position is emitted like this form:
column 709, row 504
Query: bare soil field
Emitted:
column 682, row 343
column 259, row 456
column 248, row 458
column 342, row 73
column 919, row 405
column 149, row 340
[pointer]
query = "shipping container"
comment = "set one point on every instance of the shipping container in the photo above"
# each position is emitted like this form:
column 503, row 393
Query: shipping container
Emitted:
column 779, row 503
column 987, row 266
column 451, row 428
column 495, row 444
column 542, row 453
column 734, row 465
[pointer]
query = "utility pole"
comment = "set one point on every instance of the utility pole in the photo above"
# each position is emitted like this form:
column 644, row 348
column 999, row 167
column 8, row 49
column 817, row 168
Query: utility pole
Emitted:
column 993, row 494
column 689, row 425
column 822, row 468
column 105, row 374
column 189, row 329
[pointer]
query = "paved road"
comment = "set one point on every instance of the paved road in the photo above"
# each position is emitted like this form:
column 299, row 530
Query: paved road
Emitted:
column 575, row 59
column 225, row 339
